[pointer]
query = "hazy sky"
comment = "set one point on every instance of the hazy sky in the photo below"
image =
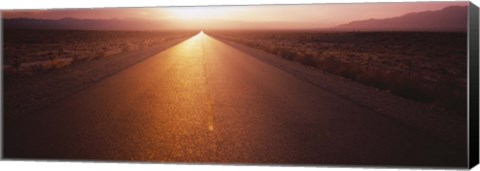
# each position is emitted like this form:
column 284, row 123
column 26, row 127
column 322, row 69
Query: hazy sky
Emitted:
column 323, row 15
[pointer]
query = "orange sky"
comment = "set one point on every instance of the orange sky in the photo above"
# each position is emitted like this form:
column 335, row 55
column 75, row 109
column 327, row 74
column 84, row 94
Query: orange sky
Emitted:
column 321, row 15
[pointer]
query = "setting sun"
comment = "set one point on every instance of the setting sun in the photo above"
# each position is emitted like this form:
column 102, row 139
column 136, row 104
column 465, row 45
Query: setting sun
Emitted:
column 197, row 13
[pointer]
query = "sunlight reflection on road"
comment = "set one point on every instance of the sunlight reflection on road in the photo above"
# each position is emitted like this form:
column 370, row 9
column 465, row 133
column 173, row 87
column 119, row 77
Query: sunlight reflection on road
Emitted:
column 190, row 76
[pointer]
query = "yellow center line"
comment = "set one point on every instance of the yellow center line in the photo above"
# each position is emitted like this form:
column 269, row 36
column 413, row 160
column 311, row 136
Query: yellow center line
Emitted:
column 210, row 113
column 208, row 100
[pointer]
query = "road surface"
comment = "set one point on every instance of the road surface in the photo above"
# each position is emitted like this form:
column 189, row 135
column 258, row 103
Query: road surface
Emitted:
column 203, row 101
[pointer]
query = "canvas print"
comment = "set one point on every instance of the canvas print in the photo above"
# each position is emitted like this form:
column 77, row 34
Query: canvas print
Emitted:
column 361, row 84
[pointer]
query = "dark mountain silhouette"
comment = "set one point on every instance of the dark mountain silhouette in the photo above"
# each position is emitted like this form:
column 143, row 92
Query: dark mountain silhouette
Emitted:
column 132, row 24
column 124, row 24
column 83, row 24
column 453, row 18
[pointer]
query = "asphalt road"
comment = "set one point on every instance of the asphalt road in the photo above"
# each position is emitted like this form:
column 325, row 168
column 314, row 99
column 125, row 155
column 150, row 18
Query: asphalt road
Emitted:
column 203, row 101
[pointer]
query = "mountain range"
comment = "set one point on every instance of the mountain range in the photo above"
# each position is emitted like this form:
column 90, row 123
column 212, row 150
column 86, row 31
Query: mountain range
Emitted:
column 82, row 24
column 453, row 18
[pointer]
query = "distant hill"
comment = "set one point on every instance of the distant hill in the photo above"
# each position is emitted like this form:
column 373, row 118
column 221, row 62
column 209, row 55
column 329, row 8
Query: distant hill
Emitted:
column 124, row 24
column 453, row 18
column 83, row 24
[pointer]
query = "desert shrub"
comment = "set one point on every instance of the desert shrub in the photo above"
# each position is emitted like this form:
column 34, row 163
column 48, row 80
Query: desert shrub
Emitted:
column 374, row 77
column 128, row 47
column 349, row 70
column 286, row 53
column 270, row 49
column 258, row 45
column 250, row 43
column 329, row 64
column 397, row 83
column 307, row 60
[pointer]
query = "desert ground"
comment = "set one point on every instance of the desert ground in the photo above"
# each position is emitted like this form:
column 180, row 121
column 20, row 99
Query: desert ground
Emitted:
column 31, row 51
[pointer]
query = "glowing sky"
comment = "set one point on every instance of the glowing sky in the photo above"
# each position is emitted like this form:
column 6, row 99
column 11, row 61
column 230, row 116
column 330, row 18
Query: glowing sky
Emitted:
column 319, row 15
